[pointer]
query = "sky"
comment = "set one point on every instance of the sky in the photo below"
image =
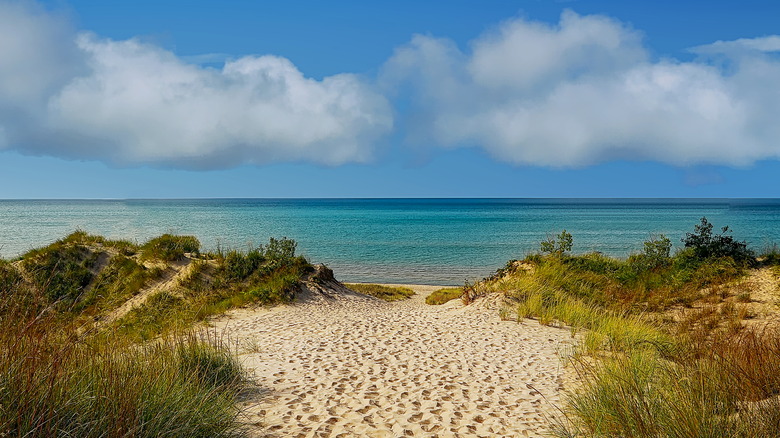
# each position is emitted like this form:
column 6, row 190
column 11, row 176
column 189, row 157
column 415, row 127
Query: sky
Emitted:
column 492, row 98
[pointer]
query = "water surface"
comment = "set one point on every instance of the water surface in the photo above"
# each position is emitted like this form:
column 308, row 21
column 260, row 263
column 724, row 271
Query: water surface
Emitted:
column 432, row 241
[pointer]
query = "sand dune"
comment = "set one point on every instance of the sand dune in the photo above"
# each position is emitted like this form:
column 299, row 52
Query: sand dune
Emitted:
column 356, row 366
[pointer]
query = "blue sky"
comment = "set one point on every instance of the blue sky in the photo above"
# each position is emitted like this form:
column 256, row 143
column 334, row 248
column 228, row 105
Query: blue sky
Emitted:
column 389, row 99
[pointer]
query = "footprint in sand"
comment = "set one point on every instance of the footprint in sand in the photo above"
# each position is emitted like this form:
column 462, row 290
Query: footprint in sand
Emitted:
column 358, row 367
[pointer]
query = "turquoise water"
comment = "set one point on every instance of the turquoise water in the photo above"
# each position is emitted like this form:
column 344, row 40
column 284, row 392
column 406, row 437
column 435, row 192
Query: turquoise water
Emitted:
column 433, row 241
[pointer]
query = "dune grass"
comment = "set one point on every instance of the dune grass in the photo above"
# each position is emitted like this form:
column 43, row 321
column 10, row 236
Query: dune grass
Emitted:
column 386, row 293
column 727, row 387
column 56, row 380
column 169, row 247
column 266, row 275
column 643, row 372
column 146, row 374
column 443, row 295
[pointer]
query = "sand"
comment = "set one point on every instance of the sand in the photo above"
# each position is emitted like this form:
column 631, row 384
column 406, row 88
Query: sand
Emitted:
column 356, row 366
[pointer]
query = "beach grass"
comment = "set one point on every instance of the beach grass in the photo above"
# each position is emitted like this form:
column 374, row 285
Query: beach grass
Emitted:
column 58, row 380
column 443, row 295
column 383, row 292
column 664, row 350
column 70, row 365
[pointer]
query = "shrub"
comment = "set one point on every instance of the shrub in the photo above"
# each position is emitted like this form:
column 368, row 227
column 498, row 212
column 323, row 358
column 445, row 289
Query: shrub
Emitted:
column 279, row 249
column 656, row 253
column 707, row 245
column 277, row 288
column 237, row 266
column 558, row 246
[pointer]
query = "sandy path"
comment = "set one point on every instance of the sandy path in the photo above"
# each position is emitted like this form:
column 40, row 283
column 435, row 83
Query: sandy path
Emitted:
column 361, row 367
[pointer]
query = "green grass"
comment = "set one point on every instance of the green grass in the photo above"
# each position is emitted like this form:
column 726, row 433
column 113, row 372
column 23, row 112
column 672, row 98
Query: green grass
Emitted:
column 122, row 278
column 443, row 295
column 169, row 247
column 142, row 375
column 641, row 372
column 57, row 382
column 386, row 293
column 232, row 279
column 61, row 270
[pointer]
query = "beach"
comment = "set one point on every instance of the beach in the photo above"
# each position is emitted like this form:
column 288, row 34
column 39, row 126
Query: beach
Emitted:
column 351, row 365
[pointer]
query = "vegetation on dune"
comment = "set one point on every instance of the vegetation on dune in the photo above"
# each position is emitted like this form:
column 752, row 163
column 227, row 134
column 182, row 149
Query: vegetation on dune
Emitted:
column 266, row 275
column 386, row 293
column 665, row 351
column 61, row 374
column 169, row 248
column 57, row 380
column 122, row 278
column 443, row 295
column 62, row 270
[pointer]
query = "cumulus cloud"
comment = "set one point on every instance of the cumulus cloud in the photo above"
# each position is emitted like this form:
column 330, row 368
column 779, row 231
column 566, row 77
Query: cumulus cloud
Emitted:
column 586, row 90
column 577, row 92
column 77, row 95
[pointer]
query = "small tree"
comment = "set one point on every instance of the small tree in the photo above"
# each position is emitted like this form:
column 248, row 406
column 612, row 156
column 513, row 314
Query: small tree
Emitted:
column 559, row 245
column 706, row 244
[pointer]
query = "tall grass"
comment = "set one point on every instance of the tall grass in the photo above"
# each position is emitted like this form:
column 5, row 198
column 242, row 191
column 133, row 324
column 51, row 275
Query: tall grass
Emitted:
column 606, row 330
column 728, row 387
column 57, row 382
column 666, row 352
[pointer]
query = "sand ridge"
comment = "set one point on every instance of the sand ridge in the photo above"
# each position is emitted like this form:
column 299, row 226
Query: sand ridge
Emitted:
column 357, row 366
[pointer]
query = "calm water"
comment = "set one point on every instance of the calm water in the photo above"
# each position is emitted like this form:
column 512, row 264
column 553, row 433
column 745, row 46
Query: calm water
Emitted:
column 434, row 241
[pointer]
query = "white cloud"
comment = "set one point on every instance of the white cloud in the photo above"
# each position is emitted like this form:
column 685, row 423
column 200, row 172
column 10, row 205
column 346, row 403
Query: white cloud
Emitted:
column 762, row 44
column 582, row 91
column 81, row 96
column 586, row 91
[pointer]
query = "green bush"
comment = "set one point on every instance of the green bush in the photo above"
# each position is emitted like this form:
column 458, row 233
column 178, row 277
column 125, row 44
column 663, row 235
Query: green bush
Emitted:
column 279, row 249
column 237, row 266
column 706, row 245
column 559, row 245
